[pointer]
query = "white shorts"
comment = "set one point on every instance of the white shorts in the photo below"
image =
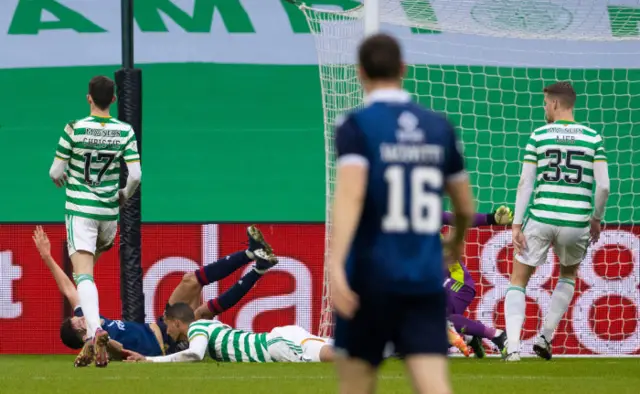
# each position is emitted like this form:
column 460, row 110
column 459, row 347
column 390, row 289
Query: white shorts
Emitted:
column 89, row 235
column 569, row 243
column 305, row 345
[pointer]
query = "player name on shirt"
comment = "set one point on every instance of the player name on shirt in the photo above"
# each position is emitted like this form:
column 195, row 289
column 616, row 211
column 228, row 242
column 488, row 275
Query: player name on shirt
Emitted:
column 93, row 146
column 424, row 153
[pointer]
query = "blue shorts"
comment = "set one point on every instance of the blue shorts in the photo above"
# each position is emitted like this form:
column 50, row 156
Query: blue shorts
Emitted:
column 414, row 324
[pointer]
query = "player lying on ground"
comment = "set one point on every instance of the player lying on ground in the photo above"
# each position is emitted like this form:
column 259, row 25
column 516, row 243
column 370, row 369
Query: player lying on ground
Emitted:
column 461, row 290
column 223, row 343
column 151, row 339
column 566, row 165
column 87, row 161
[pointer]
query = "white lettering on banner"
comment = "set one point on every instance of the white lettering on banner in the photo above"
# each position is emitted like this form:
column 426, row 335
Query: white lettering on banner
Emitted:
column 8, row 273
column 300, row 298
column 599, row 288
column 41, row 33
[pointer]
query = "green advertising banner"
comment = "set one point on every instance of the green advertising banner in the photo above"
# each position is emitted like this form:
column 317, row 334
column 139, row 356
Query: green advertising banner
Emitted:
column 233, row 120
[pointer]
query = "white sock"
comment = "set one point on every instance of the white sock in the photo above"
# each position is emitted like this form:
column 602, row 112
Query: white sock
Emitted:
column 560, row 300
column 88, row 293
column 514, row 309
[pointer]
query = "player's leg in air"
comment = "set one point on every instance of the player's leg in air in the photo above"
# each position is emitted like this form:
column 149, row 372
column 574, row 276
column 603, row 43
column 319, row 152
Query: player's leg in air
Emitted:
column 86, row 239
column 189, row 290
column 570, row 246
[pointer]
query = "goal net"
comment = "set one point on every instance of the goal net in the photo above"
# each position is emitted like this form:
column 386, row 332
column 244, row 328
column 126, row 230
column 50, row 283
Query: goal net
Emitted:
column 485, row 63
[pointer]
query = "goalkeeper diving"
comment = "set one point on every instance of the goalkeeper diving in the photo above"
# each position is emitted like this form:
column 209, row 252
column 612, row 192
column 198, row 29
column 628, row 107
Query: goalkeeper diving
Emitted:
column 460, row 289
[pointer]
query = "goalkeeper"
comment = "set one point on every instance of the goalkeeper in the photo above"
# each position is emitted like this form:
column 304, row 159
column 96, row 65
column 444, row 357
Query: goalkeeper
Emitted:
column 461, row 290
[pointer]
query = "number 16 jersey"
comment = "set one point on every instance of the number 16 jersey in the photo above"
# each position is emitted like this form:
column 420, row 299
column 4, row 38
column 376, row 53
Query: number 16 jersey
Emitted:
column 93, row 147
column 564, row 153
column 410, row 154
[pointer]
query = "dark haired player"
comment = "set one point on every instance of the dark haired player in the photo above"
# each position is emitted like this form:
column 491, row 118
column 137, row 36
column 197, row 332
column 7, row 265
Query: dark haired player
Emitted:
column 395, row 160
column 152, row 339
column 87, row 160
column 226, row 344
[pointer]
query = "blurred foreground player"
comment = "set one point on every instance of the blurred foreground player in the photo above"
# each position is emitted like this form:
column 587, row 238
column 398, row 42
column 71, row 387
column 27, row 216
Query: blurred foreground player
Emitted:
column 394, row 161
column 152, row 339
column 87, row 161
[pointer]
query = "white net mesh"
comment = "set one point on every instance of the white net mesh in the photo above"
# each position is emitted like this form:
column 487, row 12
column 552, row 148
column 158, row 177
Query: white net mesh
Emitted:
column 485, row 63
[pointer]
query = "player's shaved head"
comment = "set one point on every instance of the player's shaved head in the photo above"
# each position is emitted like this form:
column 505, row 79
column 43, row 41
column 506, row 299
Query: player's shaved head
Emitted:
column 380, row 58
column 563, row 92
column 101, row 90
column 179, row 311
column 69, row 336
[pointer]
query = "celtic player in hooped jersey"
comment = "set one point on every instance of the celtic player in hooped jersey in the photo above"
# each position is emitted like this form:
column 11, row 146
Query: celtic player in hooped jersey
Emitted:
column 566, row 163
column 226, row 344
column 87, row 161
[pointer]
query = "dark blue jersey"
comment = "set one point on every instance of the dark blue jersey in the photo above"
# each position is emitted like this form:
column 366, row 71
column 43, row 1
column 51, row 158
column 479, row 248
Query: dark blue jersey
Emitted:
column 137, row 337
column 410, row 153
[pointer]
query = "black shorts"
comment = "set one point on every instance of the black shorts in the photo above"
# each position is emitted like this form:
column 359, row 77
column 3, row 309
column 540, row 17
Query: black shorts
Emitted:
column 414, row 324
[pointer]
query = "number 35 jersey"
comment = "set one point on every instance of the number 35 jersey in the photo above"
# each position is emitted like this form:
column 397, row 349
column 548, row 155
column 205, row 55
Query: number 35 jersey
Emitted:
column 93, row 147
column 564, row 153
column 410, row 153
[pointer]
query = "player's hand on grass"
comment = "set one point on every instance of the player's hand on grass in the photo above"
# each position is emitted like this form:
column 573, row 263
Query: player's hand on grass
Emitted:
column 60, row 182
column 345, row 301
column 42, row 242
column 134, row 357
column 518, row 239
column 503, row 216
column 594, row 231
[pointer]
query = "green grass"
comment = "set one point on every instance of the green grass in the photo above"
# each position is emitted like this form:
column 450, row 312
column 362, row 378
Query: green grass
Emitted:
column 55, row 374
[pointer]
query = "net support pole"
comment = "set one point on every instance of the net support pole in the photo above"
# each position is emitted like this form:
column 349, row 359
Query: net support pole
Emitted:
column 371, row 17
column 129, row 92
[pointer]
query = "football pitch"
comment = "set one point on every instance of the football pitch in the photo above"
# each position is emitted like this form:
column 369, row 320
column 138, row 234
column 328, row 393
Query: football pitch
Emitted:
column 56, row 374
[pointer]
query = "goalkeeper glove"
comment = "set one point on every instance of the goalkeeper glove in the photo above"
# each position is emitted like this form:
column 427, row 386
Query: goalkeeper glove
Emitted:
column 502, row 216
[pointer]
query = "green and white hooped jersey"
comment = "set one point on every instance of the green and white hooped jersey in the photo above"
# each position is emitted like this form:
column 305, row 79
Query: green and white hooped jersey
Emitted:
column 93, row 147
column 228, row 344
column 564, row 153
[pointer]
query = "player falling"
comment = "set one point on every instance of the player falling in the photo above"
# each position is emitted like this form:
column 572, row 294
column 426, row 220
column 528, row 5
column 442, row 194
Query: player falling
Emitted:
column 87, row 161
column 226, row 344
column 461, row 290
column 567, row 164
column 152, row 339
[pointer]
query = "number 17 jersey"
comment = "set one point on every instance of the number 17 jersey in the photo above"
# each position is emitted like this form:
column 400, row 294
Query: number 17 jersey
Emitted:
column 410, row 153
column 564, row 153
column 93, row 147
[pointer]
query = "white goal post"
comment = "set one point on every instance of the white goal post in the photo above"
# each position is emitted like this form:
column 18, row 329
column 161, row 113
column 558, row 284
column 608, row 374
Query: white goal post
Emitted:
column 484, row 63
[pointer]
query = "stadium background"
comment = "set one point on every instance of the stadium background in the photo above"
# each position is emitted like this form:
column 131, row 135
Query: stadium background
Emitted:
column 233, row 134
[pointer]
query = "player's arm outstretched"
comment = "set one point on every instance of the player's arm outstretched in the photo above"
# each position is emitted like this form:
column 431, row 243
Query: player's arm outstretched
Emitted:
column 132, row 160
column 503, row 216
column 198, row 342
column 351, row 184
column 65, row 285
